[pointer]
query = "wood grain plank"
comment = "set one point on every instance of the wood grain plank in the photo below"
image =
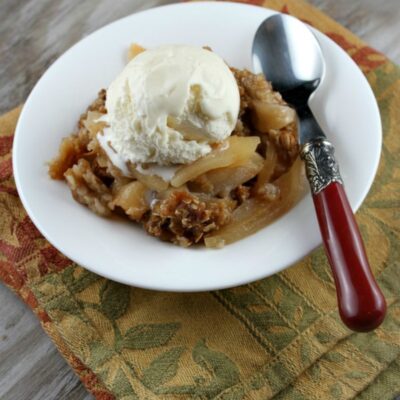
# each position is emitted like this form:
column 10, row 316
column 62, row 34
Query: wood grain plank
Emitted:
column 33, row 33
column 30, row 365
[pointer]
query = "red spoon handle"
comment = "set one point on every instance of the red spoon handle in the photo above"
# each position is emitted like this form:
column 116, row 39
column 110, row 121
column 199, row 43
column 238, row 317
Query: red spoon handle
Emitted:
column 361, row 302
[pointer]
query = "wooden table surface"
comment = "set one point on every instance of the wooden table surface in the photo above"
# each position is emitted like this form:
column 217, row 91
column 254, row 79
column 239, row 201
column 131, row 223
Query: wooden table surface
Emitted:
column 33, row 33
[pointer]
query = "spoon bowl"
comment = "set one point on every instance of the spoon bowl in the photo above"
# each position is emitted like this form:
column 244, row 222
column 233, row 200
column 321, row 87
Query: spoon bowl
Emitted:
column 290, row 54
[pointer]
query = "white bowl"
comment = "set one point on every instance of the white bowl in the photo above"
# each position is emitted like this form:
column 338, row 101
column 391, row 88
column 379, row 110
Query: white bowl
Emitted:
column 122, row 251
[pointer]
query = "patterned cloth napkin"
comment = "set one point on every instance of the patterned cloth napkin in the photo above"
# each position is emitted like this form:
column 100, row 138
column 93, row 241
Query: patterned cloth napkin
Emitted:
column 277, row 338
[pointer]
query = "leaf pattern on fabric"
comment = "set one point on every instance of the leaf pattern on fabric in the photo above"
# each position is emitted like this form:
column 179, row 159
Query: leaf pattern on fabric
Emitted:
column 147, row 336
column 82, row 279
column 123, row 385
column 163, row 368
column 114, row 299
column 223, row 370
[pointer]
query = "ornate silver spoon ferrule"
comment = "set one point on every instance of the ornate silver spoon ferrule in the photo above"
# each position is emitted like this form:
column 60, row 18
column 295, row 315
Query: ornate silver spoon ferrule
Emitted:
column 320, row 163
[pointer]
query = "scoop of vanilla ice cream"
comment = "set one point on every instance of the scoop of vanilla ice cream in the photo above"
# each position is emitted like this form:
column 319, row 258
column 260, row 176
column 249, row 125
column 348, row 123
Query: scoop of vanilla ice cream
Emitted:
column 169, row 104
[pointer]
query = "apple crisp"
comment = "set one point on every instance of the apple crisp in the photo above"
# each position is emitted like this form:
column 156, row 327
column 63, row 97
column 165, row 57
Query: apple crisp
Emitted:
column 235, row 190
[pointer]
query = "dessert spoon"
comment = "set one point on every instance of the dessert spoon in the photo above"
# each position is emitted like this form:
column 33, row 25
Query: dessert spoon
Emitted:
column 286, row 51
